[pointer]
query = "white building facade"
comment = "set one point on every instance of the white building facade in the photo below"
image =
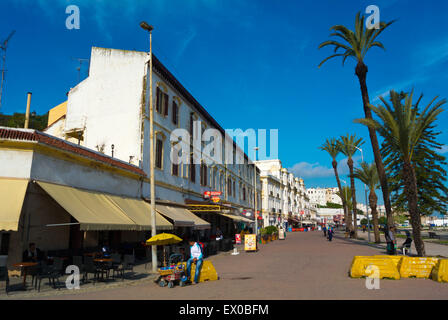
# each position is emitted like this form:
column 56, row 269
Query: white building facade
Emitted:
column 109, row 112
column 283, row 195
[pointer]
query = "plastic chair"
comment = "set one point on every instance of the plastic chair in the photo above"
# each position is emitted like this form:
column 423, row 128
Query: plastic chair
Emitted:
column 4, row 277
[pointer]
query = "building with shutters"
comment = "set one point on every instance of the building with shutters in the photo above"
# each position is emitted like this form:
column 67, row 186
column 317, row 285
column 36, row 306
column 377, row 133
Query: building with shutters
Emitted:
column 109, row 112
column 283, row 195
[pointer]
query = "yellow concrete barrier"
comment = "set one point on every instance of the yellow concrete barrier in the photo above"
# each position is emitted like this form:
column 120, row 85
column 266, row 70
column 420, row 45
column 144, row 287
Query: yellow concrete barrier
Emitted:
column 416, row 267
column 396, row 259
column 386, row 267
column 208, row 271
column 440, row 271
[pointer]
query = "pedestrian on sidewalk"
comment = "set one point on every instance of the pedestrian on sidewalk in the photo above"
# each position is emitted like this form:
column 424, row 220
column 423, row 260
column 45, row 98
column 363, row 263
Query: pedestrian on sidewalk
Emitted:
column 390, row 239
column 330, row 233
column 325, row 231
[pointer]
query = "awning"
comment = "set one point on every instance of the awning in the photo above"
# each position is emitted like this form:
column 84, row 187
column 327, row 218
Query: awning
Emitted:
column 237, row 218
column 140, row 212
column 93, row 210
column 12, row 194
column 182, row 217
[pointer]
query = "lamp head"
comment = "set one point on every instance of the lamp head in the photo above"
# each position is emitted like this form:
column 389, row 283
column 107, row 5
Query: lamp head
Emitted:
column 146, row 26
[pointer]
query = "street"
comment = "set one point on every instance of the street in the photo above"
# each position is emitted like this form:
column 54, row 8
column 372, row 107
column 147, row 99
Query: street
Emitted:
column 305, row 266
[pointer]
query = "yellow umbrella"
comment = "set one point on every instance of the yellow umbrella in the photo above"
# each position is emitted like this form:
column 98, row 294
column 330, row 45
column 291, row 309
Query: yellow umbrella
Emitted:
column 163, row 239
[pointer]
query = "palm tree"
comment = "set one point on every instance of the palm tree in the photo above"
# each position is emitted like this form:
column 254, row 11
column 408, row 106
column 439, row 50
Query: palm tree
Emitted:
column 356, row 46
column 348, row 145
column 345, row 195
column 403, row 126
column 331, row 146
column 368, row 174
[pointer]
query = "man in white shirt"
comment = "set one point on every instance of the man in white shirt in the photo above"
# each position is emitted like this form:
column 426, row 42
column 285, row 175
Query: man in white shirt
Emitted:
column 195, row 257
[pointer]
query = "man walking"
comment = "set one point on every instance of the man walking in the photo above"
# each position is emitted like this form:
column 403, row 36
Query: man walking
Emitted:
column 324, row 228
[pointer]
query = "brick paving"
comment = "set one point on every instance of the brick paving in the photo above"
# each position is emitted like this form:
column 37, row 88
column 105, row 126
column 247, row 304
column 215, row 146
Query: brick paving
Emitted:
column 304, row 266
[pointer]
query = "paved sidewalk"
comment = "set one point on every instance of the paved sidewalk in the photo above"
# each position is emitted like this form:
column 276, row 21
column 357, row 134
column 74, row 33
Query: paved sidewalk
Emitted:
column 431, row 248
column 304, row 266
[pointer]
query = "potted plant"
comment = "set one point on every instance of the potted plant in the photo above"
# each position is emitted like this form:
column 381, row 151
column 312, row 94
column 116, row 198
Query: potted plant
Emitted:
column 264, row 236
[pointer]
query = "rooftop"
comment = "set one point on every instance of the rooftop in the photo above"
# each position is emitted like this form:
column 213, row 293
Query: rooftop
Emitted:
column 30, row 135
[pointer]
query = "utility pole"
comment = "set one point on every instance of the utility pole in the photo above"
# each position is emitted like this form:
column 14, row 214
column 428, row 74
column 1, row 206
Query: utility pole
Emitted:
column 255, row 187
column 365, row 192
column 3, row 47
column 149, row 28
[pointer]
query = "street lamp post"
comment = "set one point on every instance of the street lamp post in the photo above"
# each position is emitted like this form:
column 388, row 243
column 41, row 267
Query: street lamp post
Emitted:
column 365, row 193
column 255, row 187
column 149, row 28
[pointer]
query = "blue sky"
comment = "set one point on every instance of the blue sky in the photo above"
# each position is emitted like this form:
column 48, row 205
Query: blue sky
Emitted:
column 252, row 64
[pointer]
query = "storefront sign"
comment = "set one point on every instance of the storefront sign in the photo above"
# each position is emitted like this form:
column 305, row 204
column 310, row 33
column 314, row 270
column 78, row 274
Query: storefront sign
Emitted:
column 250, row 242
column 211, row 194
column 237, row 238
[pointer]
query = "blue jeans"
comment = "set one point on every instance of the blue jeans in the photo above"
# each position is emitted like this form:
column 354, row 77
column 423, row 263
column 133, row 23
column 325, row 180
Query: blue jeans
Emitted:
column 198, row 269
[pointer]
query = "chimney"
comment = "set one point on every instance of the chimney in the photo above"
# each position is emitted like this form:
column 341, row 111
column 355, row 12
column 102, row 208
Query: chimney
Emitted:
column 27, row 114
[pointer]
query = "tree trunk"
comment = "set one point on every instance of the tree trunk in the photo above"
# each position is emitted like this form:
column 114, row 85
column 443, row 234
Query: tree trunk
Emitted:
column 352, row 184
column 344, row 204
column 361, row 72
column 372, row 203
column 412, row 196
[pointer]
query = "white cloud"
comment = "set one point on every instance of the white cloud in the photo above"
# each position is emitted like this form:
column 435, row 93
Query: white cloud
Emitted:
column 444, row 149
column 315, row 170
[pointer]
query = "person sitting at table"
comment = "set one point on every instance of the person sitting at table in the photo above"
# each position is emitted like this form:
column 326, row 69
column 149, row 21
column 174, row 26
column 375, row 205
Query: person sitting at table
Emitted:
column 32, row 254
column 195, row 257
column 105, row 250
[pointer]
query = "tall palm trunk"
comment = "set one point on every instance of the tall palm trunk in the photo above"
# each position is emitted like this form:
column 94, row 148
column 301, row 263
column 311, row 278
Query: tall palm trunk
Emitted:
column 373, row 199
column 352, row 184
column 344, row 204
column 361, row 72
column 411, row 190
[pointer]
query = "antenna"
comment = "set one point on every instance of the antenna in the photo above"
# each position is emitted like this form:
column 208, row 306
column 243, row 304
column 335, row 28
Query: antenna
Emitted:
column 3, row 47
column 80, row 60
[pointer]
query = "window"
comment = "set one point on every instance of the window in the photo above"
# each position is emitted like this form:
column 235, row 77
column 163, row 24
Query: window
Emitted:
column 229, row 186
column 159, row 153
column 175, row 170
column 233, row 188
column 192, row 170
column 161, row 102
column 175, row 113
column 203, row 174
column 244, row 193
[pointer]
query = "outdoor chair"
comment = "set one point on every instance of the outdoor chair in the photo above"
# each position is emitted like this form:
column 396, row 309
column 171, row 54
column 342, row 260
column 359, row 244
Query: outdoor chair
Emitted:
column 77, row 261
column 44, row 271
column 116, row 264
column 128, row 264
column 90, row 267
column 57, row 270
column 4, row 277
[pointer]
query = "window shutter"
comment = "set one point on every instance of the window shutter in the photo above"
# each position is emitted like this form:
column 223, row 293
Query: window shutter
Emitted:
column 174, row 115
column 159, row 154
column 165, row 107
column 157, row 99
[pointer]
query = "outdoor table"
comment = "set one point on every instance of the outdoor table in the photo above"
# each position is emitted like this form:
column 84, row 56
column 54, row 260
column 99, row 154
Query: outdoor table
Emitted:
column 25, row 266
column 102, row 260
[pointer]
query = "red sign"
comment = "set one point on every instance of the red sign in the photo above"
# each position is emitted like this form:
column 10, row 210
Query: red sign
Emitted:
column 208, row 194
column 237, row 238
